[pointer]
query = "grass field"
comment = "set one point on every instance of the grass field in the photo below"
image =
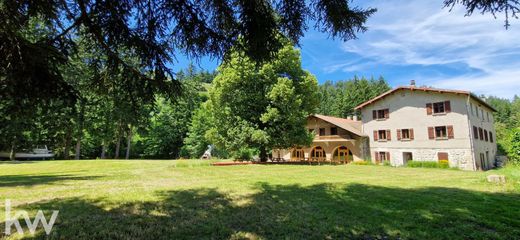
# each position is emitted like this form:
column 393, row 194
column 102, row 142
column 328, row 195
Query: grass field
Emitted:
column 100, row 199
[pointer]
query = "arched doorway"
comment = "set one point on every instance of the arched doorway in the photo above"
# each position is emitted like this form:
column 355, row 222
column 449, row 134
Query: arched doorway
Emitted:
column 342, row 154
column 318, row 154
column 297, row 154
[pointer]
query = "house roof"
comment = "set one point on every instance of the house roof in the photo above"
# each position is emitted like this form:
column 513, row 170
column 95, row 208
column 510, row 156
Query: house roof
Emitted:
column 425, row 89
column 347, row 124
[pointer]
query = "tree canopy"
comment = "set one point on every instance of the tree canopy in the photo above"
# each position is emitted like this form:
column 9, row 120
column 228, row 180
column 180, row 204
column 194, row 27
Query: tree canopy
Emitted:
column 262, row 107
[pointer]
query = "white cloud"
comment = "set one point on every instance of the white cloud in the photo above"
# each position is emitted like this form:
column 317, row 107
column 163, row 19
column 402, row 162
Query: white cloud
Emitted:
column 405, row 33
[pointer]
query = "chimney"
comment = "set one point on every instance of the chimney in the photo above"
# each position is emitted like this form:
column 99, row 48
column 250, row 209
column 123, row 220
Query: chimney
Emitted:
column 354, row 118
column 412, row 83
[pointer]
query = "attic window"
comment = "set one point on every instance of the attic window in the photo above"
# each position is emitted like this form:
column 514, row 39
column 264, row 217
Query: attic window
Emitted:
column 333, row 131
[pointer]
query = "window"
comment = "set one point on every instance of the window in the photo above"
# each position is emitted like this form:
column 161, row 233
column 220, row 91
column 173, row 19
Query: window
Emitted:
column 487, row 114
column 322, row 131
column 382, row 156
column 471, row 106
column 438, row 107
column 405, row 133
column 490, row 136
column 441, row 132
column 482, row 113
column 333, row 131
column 475, row 132
column 381, row 114
column 382, row 134
column 486, row 135
column 477, row 110
column 311, row 130
column 481, row 134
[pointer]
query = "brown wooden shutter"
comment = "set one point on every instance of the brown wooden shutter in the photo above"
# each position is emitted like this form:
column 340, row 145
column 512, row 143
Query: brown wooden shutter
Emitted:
column 411, row 133
column 398, row 134
column 375, row 136
column 485, row 135
column 447, row 106
column 429, row 108
column 431, row 133
column 374, row 114
column 388, row 133
column 387, row 113
column 377, row 156
column 450, row 132
column 387, row 156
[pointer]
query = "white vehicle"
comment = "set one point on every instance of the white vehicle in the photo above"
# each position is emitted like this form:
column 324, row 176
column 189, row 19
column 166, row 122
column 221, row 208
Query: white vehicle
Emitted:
column 40, row 152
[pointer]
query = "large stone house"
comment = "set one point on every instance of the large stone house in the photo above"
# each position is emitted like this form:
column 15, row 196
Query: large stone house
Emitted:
column 403, row 124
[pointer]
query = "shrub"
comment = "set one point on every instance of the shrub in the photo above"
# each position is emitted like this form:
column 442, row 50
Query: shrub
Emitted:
column 428, row 164
column 244, row 154
column 444, row 164
column 386, row 163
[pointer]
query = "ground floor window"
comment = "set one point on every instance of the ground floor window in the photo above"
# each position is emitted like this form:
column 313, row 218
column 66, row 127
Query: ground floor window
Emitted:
column 297, row 154
column 382, row 156
column 342, row 154
column 318, row 154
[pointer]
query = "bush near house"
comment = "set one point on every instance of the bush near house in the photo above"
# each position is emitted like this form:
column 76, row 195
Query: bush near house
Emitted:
column 429, row 164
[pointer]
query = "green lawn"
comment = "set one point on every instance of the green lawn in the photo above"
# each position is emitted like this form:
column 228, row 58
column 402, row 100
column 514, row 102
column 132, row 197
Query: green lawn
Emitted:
column 189, row 199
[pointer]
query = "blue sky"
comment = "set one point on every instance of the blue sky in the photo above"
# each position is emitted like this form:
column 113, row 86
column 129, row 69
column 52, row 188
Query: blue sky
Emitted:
column 419, row 40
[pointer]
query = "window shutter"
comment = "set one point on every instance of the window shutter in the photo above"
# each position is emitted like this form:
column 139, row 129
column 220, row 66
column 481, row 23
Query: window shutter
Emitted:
column 450, row 132
column 388, row 137
column 398, row 134
column 431, row 133
column 375, row 136
column 377, row 156
column 411, row 133
column 475, row 132
column 374, row 114
column 447, row 106
column 387, row 156
column 490, row 136
column 387, row 113
column 429, row 108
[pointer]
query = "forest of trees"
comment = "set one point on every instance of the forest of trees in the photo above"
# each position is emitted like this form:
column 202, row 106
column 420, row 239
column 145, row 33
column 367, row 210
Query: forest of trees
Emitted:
column 93, row 79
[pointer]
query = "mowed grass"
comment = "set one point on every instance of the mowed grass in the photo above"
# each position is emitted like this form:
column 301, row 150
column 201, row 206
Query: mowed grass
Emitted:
column 117, row 199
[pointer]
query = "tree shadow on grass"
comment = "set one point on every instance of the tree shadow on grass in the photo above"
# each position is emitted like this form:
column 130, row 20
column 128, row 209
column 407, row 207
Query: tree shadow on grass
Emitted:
column 322, row 211
column 31, row 180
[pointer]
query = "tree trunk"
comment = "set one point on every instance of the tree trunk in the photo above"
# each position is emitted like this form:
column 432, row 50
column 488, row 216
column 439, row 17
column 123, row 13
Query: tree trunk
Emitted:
column 128, row 142
column 118, row 145
column 12, row 155
column 263, row 154
column 81, row 119
column 103, row 149
column 68, row 140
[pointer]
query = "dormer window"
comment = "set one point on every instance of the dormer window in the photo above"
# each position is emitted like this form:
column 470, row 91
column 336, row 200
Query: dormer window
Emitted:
column 333, row 131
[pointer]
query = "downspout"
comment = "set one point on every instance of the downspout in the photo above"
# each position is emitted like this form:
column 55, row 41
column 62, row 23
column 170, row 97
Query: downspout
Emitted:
column 471, row 139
